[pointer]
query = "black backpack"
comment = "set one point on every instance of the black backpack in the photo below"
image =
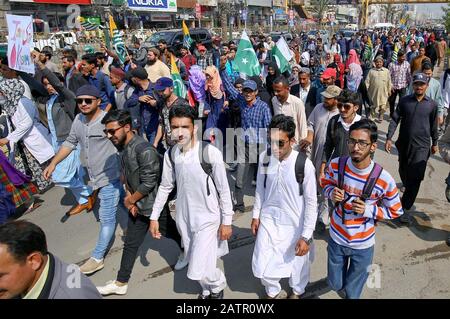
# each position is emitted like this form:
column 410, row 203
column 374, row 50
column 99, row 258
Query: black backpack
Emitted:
column 204, row 162
column 299, row 168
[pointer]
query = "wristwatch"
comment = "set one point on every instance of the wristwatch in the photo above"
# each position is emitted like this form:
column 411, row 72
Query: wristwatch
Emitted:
column 307, row 241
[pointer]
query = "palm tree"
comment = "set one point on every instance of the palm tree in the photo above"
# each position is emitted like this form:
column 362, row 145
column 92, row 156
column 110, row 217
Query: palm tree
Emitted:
column 319, row 7
column 390, row 12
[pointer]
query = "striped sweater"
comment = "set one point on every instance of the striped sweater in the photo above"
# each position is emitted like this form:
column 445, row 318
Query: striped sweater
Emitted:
column 358, row 231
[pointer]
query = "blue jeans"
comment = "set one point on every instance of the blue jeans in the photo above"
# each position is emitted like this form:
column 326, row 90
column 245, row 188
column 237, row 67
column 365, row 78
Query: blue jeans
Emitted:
column 348, row 268
column 109, row 197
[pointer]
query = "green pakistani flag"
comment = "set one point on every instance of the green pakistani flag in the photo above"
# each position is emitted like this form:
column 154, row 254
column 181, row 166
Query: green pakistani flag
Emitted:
column 282, row 55
column 246, row 61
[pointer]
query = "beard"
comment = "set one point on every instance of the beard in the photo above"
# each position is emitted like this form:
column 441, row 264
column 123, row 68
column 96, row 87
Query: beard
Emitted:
column 151, row 62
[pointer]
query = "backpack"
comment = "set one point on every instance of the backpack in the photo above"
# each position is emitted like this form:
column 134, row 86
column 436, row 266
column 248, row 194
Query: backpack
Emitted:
column 299, row 169
column 368, row 186
column 204, row 162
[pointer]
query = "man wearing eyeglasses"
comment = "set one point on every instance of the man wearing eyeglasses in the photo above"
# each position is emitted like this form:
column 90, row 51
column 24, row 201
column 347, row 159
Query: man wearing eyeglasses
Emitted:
column 99, row 157
column 357, row 208
column 417, row 115
column 283, row 217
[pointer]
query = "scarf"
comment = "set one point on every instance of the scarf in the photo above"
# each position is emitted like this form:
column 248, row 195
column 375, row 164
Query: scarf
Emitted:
column 293, row 78
column 270, row 78
column 13, row 91
column 214, row 84
column 16, row 177
column 354, row 77
column 353, row 57
column 197, row 82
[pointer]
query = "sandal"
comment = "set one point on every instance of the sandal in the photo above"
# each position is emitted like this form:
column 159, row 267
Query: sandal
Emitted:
column 32, row 207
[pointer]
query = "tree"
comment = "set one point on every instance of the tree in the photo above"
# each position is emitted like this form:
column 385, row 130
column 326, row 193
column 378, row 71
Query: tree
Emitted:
column 446, row 17
column 319, row 7
column 391, row 12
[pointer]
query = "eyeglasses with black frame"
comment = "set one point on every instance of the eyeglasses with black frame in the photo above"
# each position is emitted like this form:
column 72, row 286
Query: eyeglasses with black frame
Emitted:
column 361, row 144
column 347, row 106
column 278, row 143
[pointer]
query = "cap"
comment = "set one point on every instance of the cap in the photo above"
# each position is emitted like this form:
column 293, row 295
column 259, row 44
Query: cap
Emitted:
column 88, row 90
column 329, row 73
column 332, row 91
column 163, row 83
column 420, row 77
column 139, row 73
column 67, row 48
column 118, row 72
column 89, row 49
column 249, row 84
column 201, row 48
column 379, row 57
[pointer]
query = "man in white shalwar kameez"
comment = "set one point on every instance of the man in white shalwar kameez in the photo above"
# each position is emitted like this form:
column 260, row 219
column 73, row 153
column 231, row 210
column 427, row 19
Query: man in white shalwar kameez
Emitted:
column 204, row 208
column 283, row 220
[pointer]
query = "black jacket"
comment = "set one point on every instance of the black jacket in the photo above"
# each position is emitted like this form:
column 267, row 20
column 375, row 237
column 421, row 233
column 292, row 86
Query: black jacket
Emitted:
column 63, row 110
column 141, row 166
column 336, row 141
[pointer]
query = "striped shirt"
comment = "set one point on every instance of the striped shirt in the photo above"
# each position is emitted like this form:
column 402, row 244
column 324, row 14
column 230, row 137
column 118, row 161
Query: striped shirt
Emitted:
column 400, row 75
column 358, row 231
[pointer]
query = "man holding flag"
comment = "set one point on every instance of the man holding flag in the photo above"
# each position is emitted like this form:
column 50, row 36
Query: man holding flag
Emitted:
column 246, row 61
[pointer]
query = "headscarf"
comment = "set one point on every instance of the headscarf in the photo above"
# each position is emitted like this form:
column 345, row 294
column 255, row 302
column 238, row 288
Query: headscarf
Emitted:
column 270, row 78
column 352, row 58
column 329, row 60
column 354, row 77
column 293, row 78
column 214, row 84
column 197, row 81
column 13, row 91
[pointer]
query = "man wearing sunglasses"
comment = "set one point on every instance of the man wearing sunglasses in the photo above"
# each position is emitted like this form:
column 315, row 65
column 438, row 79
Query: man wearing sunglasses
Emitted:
column 283, row 217
column 99, row 157
column 141, row 169
column 338, row 128
column 357, row 208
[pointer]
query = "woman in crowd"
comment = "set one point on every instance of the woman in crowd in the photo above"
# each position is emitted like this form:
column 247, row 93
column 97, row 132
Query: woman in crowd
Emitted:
column 29, row 140
column 272, row 73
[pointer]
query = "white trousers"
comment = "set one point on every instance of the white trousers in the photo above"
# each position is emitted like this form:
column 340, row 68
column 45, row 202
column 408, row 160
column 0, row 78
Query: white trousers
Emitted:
column 298, row 281
column 214, row 282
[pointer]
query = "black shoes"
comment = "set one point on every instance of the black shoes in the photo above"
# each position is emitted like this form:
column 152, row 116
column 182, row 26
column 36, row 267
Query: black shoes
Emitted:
column 212, row 295
column 218, row 295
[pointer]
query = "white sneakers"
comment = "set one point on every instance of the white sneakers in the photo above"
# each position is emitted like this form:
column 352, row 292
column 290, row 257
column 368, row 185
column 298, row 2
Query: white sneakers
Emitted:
column 182, row 262
column 112, row 288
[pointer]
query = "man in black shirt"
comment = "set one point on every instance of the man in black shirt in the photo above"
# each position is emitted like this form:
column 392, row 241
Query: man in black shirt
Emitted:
column 418, row 116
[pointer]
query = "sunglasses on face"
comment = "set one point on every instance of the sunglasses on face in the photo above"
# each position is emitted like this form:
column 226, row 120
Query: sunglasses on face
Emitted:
column 87, row 101
column 279, row 143
column 346, row 106
column 111, row 131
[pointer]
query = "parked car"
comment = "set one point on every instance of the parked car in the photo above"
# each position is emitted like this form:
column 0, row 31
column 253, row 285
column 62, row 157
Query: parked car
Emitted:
column 347, row 33
column 56, row 41
column 174, row 38
column 277, row 35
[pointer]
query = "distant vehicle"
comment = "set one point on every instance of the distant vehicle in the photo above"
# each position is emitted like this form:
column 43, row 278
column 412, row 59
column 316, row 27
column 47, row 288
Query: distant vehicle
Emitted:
column 383, row 26
column 347, row 33
column 56, row 41
column 174, row 38
column 323, row 34
column 277, row 35
column 352, row 26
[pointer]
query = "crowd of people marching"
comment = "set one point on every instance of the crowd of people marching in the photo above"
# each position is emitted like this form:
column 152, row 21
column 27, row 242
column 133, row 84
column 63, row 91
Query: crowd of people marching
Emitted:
column 122, row 137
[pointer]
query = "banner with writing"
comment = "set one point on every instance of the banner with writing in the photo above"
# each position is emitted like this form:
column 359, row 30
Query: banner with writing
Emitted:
column 20, row 42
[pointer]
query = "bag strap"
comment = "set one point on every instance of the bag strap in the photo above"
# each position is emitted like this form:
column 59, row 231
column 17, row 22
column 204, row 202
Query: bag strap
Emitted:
column 371, row 181
column 266, row 163
column 341, row 170
column 206, row 165
column 300, row 171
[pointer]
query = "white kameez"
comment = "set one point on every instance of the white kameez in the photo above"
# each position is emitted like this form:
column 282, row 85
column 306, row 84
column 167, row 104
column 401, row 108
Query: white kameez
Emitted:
column 285, row 217
column 198, row 216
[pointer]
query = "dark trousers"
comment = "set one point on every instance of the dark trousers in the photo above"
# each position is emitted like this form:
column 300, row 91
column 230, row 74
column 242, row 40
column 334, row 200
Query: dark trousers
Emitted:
column 248, row 159
column 412, row 175
column 401, row 93
column 137, row 229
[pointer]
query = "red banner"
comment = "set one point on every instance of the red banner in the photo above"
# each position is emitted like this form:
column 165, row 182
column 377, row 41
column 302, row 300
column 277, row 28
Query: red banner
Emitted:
column 64, row 1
